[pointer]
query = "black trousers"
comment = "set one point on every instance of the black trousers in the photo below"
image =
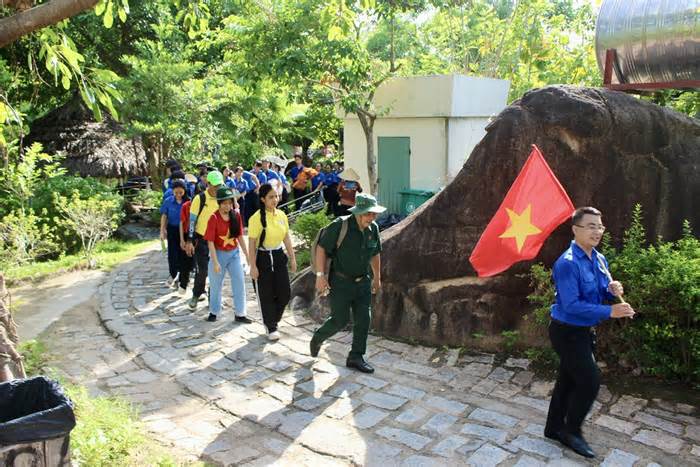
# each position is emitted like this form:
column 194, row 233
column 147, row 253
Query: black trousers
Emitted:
column 330, row 194
column 273, row 291
column 201, row 260
column 251, row 205
column 297, row 195
column 186, row 265
column 578, row 379
column 174, row 250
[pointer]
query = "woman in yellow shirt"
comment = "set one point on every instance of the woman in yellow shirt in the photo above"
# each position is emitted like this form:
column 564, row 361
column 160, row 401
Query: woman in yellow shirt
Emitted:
column 268, row 229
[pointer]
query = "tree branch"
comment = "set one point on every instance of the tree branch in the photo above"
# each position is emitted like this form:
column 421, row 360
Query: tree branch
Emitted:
column 22, row 23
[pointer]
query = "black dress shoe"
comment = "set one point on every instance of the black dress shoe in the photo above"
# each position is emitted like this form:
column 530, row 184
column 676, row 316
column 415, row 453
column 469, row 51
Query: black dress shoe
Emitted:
column 314, row 348
column 554, row 435
column 359, row 364
column 211, row 317
column 577, row 444
column 243, row 319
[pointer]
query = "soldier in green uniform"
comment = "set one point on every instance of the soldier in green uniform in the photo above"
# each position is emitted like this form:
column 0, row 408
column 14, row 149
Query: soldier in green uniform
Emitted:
column 353, row 277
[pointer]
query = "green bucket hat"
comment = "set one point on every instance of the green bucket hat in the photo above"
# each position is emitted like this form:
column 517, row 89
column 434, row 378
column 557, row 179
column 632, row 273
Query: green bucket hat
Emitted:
column 365, row 203
column 215, row 178
column 225, row 193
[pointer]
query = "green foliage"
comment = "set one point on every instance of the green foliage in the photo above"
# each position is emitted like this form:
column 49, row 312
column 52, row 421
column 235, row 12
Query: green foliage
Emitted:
column 25, row 237
column 303, row 259
column 542, row 295
column 107, row 429
column 23, row 179
column 92, row 219
column 149, row 199
column 662, row 283
column 34, row 355
column 543, row 358
column 306, row 226
column 510, row 340
column 45, row 200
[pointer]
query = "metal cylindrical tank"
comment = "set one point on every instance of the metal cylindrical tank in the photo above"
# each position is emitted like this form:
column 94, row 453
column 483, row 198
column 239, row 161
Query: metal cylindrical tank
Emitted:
column 655, row 40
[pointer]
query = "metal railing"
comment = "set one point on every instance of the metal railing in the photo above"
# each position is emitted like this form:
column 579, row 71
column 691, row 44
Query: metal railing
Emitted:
column 312, row 202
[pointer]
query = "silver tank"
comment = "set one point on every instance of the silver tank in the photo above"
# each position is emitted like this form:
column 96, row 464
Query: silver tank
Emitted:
column 656, row 40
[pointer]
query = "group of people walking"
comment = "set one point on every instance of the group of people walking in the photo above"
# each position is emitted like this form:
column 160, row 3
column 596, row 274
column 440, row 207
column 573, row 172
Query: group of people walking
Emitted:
column 207, row 234
column 204, row 220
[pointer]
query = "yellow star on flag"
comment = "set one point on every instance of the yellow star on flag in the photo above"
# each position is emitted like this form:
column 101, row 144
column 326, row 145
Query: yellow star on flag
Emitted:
column 227, row 240
column 521, row 227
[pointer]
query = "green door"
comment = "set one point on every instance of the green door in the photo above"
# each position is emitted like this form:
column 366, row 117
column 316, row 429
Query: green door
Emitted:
column 394, row 170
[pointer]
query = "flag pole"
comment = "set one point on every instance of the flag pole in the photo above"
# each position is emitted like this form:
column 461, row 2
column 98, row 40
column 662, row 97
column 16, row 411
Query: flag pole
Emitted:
column 610, row 278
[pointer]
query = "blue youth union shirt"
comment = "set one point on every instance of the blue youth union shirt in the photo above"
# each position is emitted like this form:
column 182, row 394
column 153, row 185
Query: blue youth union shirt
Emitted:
column 261, row 177
column 317, row 180
column 581, row 287
column 240, row 185
column 294, row 171
column 271, row 175
column 171, row 209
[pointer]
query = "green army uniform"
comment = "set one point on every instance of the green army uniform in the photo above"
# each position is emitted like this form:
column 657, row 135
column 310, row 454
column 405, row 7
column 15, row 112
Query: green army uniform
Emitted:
column 350, row 279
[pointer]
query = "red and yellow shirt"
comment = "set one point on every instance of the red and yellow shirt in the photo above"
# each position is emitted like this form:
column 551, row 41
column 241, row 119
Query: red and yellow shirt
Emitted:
column 218, row 231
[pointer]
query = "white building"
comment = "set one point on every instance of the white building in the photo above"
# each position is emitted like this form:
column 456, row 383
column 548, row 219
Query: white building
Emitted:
column 428, row 126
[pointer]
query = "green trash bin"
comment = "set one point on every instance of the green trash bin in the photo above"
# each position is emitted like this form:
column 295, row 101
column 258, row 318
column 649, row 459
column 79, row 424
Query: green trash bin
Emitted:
column 412, row 199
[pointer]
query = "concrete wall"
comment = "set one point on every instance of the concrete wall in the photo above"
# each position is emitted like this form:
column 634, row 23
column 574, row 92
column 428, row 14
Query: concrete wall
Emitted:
column 441, row 96
column 463, row 135
column 428, row 148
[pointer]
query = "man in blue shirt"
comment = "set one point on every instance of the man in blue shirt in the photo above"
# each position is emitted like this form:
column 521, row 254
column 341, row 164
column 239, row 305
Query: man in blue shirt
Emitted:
column 582, row 283
column 294, row 171
column 269, row 173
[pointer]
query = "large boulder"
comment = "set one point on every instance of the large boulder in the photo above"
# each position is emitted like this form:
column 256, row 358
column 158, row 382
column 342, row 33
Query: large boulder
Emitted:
column 608, row 149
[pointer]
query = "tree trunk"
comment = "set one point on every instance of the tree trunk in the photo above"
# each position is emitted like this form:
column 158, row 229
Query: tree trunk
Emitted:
column 5, row 156
column 367, row 122
column 149, row 145
column 15, row 26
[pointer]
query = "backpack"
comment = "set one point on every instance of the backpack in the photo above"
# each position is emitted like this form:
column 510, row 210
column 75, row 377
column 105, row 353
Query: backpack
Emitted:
column 202, row 199
column 314, row 245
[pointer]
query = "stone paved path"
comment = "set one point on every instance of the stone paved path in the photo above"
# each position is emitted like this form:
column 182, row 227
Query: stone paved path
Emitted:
column 222, row 393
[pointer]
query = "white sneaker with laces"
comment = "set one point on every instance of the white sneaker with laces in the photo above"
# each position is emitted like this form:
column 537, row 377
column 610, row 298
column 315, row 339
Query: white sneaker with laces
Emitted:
column 274, row 336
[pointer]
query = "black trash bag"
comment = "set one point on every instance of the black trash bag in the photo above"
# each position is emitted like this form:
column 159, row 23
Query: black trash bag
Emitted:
column 34, row 409
column 389, row 220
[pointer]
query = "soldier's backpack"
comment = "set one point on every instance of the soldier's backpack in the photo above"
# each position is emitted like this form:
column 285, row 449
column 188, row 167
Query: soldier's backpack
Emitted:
column 314, row 245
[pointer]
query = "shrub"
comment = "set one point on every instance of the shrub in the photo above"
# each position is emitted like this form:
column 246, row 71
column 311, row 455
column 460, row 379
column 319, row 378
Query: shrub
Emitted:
column 303, row 259
column 45, row 199
column 92, row 219
column 307, row 226
column 149, row 199
column 25, row 237
column 662, row 283
column 22, row 179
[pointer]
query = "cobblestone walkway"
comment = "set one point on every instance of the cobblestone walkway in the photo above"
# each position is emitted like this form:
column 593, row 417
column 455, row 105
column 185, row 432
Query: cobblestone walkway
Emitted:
column 222, row 393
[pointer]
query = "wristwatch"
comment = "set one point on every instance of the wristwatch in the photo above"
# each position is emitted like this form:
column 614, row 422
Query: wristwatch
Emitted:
column 320, row 274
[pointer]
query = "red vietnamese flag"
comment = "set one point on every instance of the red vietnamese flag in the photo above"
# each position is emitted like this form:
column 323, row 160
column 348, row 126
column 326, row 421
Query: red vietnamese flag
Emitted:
column 534, row 206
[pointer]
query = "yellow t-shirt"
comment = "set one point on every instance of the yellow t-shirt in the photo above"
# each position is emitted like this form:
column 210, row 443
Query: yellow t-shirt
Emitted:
column 210, row 207
column 277, row 228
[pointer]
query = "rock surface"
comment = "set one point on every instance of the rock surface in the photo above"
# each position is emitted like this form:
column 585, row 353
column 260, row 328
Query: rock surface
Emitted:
column 608, row 149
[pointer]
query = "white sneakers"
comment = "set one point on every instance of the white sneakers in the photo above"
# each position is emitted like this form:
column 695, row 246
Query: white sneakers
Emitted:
column 171, row 282
column 274, row 336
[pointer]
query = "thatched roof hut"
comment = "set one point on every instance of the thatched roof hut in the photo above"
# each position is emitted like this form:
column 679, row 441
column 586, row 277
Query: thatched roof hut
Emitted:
column 97, row 149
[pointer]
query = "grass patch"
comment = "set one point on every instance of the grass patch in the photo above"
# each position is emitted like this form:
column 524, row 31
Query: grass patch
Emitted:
column 108, row 254
column 35, row 356
column 108, row 431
